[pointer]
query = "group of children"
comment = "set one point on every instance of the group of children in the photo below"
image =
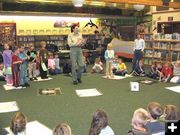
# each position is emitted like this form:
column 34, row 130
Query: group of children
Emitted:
column 144, row 122
column 20, row 65
column 114, row 65
column 152, row 121
column 167, row 71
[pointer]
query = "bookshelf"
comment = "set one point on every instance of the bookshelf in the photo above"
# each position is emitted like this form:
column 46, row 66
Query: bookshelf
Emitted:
column 59, row 41
column 161, row 47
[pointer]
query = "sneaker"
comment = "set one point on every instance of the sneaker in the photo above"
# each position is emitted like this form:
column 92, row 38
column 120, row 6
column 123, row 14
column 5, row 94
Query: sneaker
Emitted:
column 79, row 80
column 31, row 79
column 75, row 82
column 23, row 86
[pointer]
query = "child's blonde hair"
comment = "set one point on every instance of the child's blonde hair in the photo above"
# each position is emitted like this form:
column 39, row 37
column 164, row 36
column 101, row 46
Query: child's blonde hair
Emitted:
column 140, row 117
column 62, row 129
column 109, row 46
column 18, row 123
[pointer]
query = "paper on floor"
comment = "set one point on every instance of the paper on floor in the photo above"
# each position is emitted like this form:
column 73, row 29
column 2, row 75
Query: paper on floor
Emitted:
column 34, row 128
column 88, row 92
column 6, row 87
column 174, row 88
column 8, row 107
column 39, row 79
column 116, row 77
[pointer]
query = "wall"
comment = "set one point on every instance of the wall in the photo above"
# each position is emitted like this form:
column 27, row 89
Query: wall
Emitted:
column 163, row 17
column 44, row 25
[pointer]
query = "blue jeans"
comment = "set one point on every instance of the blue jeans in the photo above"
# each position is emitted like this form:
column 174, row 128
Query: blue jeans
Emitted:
column 23, row 74
column 138, row 55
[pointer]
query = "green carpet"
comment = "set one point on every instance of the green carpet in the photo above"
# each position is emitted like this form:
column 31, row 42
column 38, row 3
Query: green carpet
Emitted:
column 117, row 100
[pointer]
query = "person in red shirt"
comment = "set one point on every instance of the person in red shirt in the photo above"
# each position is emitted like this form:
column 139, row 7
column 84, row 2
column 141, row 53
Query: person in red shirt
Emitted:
column 16, row 62
column 166, row 73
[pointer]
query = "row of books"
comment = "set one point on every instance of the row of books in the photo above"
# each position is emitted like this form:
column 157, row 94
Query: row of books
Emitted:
column 157, row 54
column 175, row 46
column 40, row 38
column 161, row 45
column 174, row 36
column 148, row 61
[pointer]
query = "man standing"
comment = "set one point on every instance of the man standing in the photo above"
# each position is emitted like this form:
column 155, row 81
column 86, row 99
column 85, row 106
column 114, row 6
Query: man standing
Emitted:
column 75, row 41
column 139, row 45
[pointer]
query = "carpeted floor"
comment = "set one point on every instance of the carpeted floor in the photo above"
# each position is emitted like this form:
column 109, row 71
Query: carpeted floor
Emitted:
column 117, row 100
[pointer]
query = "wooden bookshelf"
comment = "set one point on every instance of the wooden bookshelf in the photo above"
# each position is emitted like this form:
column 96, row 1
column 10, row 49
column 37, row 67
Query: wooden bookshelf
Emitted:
column 162, row 40
column 161, row 49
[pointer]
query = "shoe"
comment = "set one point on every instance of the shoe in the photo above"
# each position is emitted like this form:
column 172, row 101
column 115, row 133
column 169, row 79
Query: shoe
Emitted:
column 27, row 85
column 31, row 79
column 23, row 86
column 75, row 82
column 79, row 80
column 46, row 77
column 35, row 78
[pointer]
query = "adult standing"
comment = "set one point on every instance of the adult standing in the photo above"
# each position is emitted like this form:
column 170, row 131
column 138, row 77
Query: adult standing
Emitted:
column 75, row 41
column 139, row 45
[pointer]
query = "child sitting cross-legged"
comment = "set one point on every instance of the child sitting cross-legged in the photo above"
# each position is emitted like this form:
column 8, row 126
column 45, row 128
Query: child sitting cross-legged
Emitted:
column 139, row 119
column 52, row 66
column 139, row 69
column 176, row 72
column 155, row 125
column 122, row 69
column 18, row 124
column 166, row 72
column 98, row 66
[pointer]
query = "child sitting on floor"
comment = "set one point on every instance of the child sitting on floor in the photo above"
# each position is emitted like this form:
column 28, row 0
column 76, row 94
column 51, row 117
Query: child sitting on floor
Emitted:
column 52, row 65
column 154, row 71
column 115, row 64
column 139, row 69
column 139, row 119
column 62, row 129
column 176, row 72
column 18, row 124
column 98, row 66
column 2, row 76
column 166, row 73
column 154, row 125
column 122, row 69
column 84, row 69
column 57, row 63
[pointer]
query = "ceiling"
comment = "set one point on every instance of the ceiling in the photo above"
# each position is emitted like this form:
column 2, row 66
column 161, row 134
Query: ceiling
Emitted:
column 106, row 7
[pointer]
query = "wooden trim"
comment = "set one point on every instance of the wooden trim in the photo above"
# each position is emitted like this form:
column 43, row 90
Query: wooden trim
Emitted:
column 166, row 11
column 147, row 2
column 161, row 40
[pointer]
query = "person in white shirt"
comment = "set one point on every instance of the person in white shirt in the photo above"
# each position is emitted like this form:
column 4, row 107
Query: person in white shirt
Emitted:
column 139, row 46
column 75, row 41
column 99, row 124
